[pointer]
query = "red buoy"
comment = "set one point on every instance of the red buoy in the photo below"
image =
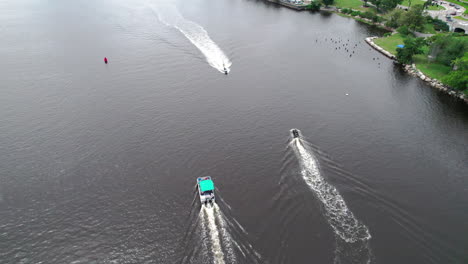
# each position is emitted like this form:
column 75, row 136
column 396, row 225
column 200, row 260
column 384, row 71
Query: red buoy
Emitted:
column 105, row 60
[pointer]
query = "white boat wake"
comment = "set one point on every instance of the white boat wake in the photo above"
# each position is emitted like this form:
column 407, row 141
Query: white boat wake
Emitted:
column 169, row 15
column 220, row 238
column 208, row 219
column 341, row 219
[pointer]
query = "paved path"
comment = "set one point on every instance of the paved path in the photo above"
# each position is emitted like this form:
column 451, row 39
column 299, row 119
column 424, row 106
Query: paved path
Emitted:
column 441, row 14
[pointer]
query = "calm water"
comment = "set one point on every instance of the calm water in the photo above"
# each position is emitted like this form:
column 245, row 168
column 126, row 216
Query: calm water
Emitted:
column 98, row 162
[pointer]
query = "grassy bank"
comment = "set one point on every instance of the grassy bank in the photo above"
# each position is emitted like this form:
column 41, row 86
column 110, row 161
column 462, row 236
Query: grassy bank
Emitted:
column 390, row 43
column 431, row 69
column 352, row 4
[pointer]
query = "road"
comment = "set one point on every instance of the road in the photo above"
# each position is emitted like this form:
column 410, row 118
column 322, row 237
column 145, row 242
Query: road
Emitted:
column 449, row 10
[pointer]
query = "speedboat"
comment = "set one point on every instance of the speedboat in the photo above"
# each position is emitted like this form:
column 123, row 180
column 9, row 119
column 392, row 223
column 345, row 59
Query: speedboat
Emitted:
column 295, row 133
column 206, row 190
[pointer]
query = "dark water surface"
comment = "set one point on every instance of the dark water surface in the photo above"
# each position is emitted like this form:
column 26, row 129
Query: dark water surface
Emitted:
column 98, row 162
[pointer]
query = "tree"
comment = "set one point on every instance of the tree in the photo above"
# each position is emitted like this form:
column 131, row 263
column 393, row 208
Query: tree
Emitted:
column 328, row 2
column 446, row 48
column 394, row 17
column 412, row 47
column 458, row 78
column 414, row 18
column 314, row 6
column 439, row 25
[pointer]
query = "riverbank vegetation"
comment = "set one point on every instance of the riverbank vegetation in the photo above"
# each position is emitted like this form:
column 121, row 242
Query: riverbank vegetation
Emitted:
column 443, row 56
column 390, row 43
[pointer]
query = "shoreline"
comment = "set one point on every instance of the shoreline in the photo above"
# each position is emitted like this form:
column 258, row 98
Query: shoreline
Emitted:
column 412, row 70
column 289, row 5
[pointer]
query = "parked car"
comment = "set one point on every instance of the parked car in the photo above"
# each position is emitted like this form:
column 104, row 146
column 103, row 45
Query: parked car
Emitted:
column 457, row 7
column 451, row 4
column 453, row 13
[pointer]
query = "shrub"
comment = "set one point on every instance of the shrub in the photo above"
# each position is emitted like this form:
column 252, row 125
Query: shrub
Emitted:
column 377, row 18
column 388, row 34
column 345, row 10
column 368, row 15
column 404, row 30
column 355, row 13
column 457, row 79
column 440, row 25
column 448, row 47
column 314, row 6
column 412, row 47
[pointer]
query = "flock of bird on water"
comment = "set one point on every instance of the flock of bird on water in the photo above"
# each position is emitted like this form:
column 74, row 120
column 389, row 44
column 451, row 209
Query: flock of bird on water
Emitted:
column 346, row 45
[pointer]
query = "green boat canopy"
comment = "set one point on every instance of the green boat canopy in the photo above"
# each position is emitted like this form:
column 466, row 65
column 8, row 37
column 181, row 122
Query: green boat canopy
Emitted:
column 206, row 185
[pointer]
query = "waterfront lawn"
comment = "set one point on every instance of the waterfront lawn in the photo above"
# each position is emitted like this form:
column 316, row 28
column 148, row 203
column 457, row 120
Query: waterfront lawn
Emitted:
column 353, row 4
column 390, row 43
column 431, row 69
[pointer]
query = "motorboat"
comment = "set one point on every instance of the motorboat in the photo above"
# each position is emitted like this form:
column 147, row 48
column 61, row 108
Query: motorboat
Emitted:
column 206, row 190
column 295, row 133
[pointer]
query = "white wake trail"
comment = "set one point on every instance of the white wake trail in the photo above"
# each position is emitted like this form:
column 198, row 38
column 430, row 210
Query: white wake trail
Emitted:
column 169, row 15
column 214, row 235
column 341, row 219
column 226, row 237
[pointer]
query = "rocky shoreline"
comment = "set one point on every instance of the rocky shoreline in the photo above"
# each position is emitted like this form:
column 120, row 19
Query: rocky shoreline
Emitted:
column 370, row 41
column 412, row 70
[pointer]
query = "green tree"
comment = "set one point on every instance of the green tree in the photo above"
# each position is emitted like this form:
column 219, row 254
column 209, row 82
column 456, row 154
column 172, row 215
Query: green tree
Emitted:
column 446, row 48
column 414, row 18
column 458, row 78
column 314, row 6
column 412, row 47
column 394, row 17
column 328, row 2
column 439, row 25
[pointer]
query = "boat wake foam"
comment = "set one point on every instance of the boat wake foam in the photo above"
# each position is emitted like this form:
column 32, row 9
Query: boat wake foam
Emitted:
column 169, row 15
column 338, row 215
column 209, row 219
column 219, row 238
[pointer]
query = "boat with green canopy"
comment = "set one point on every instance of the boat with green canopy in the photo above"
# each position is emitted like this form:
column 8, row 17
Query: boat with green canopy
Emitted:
column 206, row 190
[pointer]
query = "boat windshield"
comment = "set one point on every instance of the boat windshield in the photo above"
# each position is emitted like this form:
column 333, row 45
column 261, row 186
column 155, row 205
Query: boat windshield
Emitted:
column 207, row 193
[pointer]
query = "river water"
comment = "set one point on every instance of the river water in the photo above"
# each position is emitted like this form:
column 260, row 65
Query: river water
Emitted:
column 98, row 162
